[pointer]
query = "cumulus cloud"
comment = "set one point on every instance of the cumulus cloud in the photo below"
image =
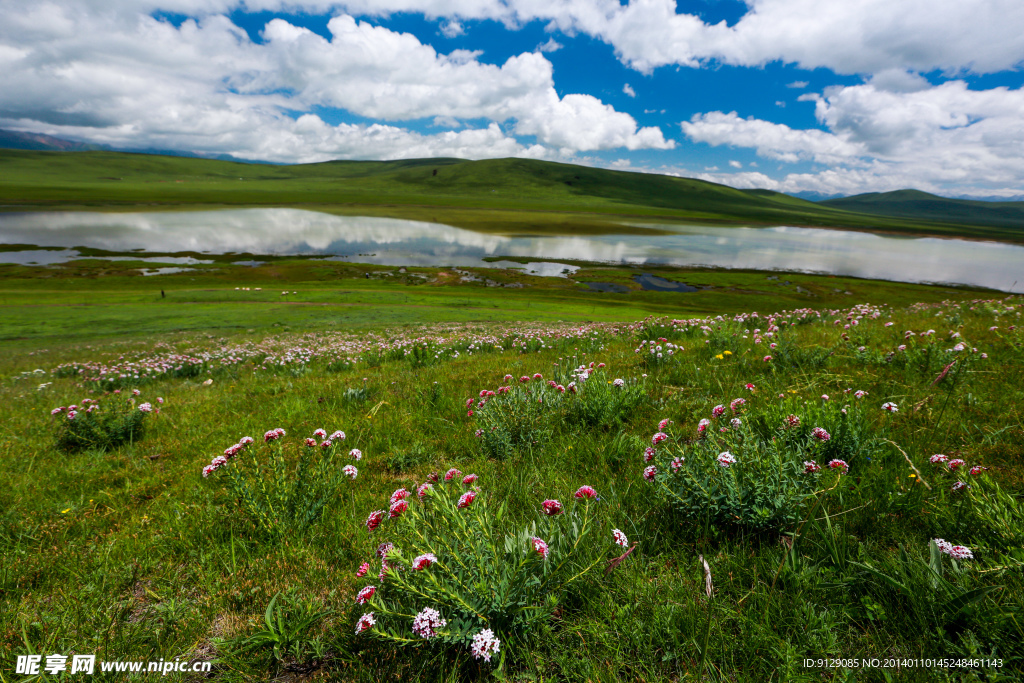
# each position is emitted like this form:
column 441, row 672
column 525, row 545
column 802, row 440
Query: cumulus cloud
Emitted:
column 102, row 70
column 880, row 137
column 551, row 45
column 628, row 90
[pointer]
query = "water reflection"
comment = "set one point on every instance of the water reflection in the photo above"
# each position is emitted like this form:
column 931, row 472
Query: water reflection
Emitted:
column 395, row 242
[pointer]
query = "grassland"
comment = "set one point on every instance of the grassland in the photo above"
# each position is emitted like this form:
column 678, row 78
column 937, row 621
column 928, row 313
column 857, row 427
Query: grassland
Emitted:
column 513, row 196
column 130, row 554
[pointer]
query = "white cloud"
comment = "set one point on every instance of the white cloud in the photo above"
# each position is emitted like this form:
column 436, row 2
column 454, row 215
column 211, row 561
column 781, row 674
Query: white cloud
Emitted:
column 628, row 90
column 735, row 164
column 945, row 139
column 452, row 29
column 551, row 45
column 102, row 69
column 800, row 85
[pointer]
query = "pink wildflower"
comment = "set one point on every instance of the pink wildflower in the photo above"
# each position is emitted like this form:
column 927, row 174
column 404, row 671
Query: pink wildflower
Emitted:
column 959, row 486
column 311, row 443
column 586, row 492
column 650, row 473
column 820, row 434
column 725, row 459
column 737, row 403
column 451, row 474
column 977, row 469
column 620, row 538
column 718, row 411
column 365, row 623
column 423, row 489
column 552, row 507
column 399, row 494
column 649, row 454
column 664, row 423
column 839, row 465
column 702, row 425
column 938, row 458
column 750, row 387
column 355, row 454
column 423, row 561
column 363, row 568
column 365, row 594
column 350, row 471
column 793, row 421
column 677, row 463
column 540, row 546
column 374, row 520
column 658, row 438
column 469, row 479
column 320, row 434
column 811, row 467
column 956, row 464
column 466, row 499
column 890, row 407
column 397, row 508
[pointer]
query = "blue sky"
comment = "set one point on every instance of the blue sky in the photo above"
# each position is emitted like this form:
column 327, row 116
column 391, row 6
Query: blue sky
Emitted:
column 826, row 96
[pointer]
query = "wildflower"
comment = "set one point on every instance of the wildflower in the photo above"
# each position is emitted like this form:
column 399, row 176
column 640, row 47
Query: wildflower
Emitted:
column 538, row 376
column 890, row 406
column 384, row 548
column 451, row 474
column 423, row 561
column 824, row 397
column 325, row 444
column 959, row 552
column 839, row 465
column 725, row 459
column 208, row 470
column 423, row 489
column 397, row 508
column 956, row 464
column 977, row 469
column 272, row 435
column 943, row 546
column 350, row 471
column 649, row 454
column 356, row 454
column 620, row 538
column 363, row 568
column 860, row 393
column 478, row 433
column 466, row 499
column 650, row 473
column 820, row 434
column 159, row 399
column 246, row 440
column 338, row 436
column 427, row 622
column 702, row 425
column 619, row 383
column 810, row 467
column 365, row 622
column 793, row 421
column 399, row 494
column 433, row 478
column 718, row 411
column 677, row 462
column 311, row 443
column 364, row 595
column 552, row 507
column 524, row 379
column 959, row 486
column 586, row 492
column 136, row 392
column 320, row 434
column 664, row 423
column 540, row 546
column 658, row 438
column 56, row 411
column 146, row 408
column 736, row 422
column 469, row 402
column 736, row 404
column 374, row 520
column 750, row 387
column 767, row 359
column 484, row 645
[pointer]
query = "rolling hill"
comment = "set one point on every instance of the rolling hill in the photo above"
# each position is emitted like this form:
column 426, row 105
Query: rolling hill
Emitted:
column 923, row 206
column 475, row 194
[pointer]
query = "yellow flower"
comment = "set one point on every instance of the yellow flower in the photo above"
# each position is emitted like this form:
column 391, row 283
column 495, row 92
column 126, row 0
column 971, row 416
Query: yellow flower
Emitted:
column 65, row 511
column 728, row 353
column 719, row 356
column 912, row 476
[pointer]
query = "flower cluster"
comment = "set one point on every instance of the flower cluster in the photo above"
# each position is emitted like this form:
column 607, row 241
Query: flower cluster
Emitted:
column 540, row 546
column 957, row 552
column 725, row 459
column 552, row 507
column 423, row 561
column 485, row 645
column 619, row 538
column 427, row 623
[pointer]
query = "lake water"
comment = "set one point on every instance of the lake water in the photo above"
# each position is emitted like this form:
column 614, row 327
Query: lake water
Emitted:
column 395, row 242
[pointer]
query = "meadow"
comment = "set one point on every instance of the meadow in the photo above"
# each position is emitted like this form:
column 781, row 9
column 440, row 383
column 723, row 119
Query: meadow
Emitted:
column 774, row 478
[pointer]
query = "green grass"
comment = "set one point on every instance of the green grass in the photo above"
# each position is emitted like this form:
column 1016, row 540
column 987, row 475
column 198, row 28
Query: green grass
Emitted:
column 90, row 298
column 131, row 554
column 507, row 195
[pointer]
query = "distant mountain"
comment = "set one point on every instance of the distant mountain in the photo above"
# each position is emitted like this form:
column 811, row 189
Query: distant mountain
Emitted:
column 13, row 139
column 917, row 205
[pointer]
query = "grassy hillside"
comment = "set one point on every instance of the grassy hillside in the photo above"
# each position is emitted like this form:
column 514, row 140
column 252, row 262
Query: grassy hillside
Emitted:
column 427, row 189
column 919, row 205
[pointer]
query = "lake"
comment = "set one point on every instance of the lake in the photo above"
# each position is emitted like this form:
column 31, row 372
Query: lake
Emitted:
column 395, row 242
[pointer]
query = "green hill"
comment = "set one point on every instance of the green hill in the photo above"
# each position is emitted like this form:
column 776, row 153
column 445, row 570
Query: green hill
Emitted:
column 489, row 194
column 918, row 205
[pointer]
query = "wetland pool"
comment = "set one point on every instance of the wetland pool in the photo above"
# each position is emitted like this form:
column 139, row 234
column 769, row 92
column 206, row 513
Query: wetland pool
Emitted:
column 397, row 242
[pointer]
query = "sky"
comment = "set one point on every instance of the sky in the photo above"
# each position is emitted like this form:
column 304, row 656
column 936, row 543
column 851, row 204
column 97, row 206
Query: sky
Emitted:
column 835, row 97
